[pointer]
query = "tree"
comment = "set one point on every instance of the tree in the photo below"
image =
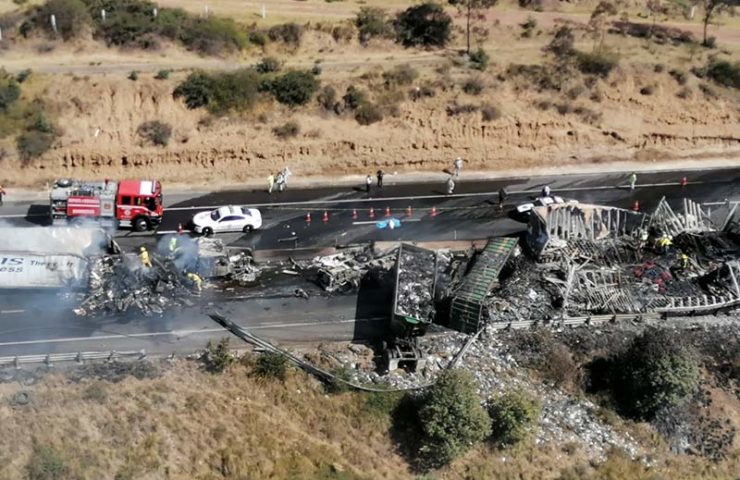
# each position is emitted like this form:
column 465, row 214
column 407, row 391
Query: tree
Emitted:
column 294, row 88
column 372, row 22
column 425, row 24
column 597, row 22
column 513, row 415
column 470, row 7
column 656, row 371
column 451, row 417
column 712, row 7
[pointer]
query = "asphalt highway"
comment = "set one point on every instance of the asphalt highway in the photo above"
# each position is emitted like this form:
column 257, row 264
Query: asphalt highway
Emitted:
column 38, row 323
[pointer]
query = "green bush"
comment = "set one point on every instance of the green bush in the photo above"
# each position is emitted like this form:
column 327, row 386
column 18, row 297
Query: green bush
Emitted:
column 128, row 22
column 353, row 97
column 46, row 463
column 327, row 97
column 23, row 75
column 340, row 382
column 473, row 86
column 381, row 404
column 513, row 416
column 425, row 24
column 294, row 88
column 596, row 63
column 214, row 35
column 271, row 365
column 656, row 371
column 287, row 130
column 724, row 73
column 217, row 356
column 162, row 75
column 451, row 417
column 289, row 33
column 403, row 74
column 10, row 91
column 479, row 59
column 220, row 92
column 257, row 38
column 269, row 65
column 71, row 17
column 156, row 132
column 368, row 113
column 373, row 22
column 343, row 33
column 679, row 75
column 133, row 75
column 36, row 140
column 528, row 27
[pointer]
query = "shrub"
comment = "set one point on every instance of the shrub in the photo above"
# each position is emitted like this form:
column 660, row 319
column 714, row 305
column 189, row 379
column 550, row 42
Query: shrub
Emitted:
column 327, row 97
column 217, row 356
column 220, row 92
column 289, row 33
column 473, row 86
column 156, row 132
column 710, row 42
column 596, row 63
column 373, row 22
column 287, row 130
column 46, row 463
column 724, row 73
column 316, row 70
column 162, row 75
column 647, row 90
column 343, row 33
column 269, row 65
column 575, row 92
column 381, row 404
column 479, row 59
column 451, row 417
column 684, row 93
column 513, row 416
column 294, row 88
column 33, row 144
column 368, row 113
column 455, row 109
column 71, row 17
column 490, row 113
column 528, row 27
column 133, row 75
column 271, row 365
column 557, row 364
column 23, row 75
column 258, row 38
column 401, row 75
column 340, row 382
column 213, row 35
column 659, row 67
column 131, row 22
column 95, row 392
column 656, row 371
column 562, row 43
column 10, row 91
column 679, row 75
column 425, row 24
column 353, row 98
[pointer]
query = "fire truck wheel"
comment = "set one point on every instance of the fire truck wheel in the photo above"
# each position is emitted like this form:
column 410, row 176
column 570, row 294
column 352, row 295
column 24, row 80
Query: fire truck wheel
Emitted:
column 207, row 232
column 141, row 224
column 247, row 229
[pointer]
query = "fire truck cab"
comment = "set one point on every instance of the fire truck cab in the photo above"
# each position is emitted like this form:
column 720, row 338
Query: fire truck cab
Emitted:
column 128, row 203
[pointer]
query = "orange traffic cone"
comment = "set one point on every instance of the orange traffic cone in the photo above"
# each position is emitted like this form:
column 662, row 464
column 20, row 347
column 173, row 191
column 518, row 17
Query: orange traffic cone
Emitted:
column 636, row 206
column 326, row 216
column 434, row 212
column 354, row 214
column 372, row 212
column 684, row 181
column 308, row 217
column 409, row 212
column 387, row 211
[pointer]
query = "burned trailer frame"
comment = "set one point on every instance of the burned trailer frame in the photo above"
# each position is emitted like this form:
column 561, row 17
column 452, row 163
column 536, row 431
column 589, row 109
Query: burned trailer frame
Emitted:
column 413, row 292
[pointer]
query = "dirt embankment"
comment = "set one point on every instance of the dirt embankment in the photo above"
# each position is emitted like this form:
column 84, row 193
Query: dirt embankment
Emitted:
column 99, row 117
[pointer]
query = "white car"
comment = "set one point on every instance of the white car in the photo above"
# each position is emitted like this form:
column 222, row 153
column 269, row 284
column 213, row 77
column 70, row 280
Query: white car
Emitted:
column 543, row 202
column 227, row 219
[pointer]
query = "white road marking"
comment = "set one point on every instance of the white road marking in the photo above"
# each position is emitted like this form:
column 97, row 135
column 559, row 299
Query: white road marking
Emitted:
column 11, row 311
column 184, row 333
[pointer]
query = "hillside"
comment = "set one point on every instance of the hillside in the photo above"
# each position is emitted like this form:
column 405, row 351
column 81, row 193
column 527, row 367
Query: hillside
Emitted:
column 649, row 106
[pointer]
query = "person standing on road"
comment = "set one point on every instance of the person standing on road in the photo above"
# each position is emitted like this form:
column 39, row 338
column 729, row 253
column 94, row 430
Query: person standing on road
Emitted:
column 286, row 174
column 633, row 180
column 2, row 194
column 270, row 183
column 368, row 183
column 280, row 181
column 502, row 194
column 457, row 166
column 546, row 191
column 450, row 185
column 380, row 176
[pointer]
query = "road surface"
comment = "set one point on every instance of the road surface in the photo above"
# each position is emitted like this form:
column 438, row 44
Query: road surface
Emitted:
column 35, row 323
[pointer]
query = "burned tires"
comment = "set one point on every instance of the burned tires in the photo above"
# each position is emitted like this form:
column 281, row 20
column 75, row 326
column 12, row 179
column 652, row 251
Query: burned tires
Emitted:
column 141, row 224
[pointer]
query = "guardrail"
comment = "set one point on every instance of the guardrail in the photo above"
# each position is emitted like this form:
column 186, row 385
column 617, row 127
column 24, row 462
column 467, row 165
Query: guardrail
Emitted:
column 79, row 357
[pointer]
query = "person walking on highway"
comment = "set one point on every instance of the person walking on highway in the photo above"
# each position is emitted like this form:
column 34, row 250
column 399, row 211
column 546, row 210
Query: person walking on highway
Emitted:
column 280, row 181
column 368, row 184
column 450, row 185
column 502, row 194
column 270, row 183
column 2, row 194
column 633, row 180
column 546, row 191
column 380, row 176
column 286, row 175
column 457, row 166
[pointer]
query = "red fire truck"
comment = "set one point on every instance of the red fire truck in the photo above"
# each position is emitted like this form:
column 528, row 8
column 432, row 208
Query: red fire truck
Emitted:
column 128, row 203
